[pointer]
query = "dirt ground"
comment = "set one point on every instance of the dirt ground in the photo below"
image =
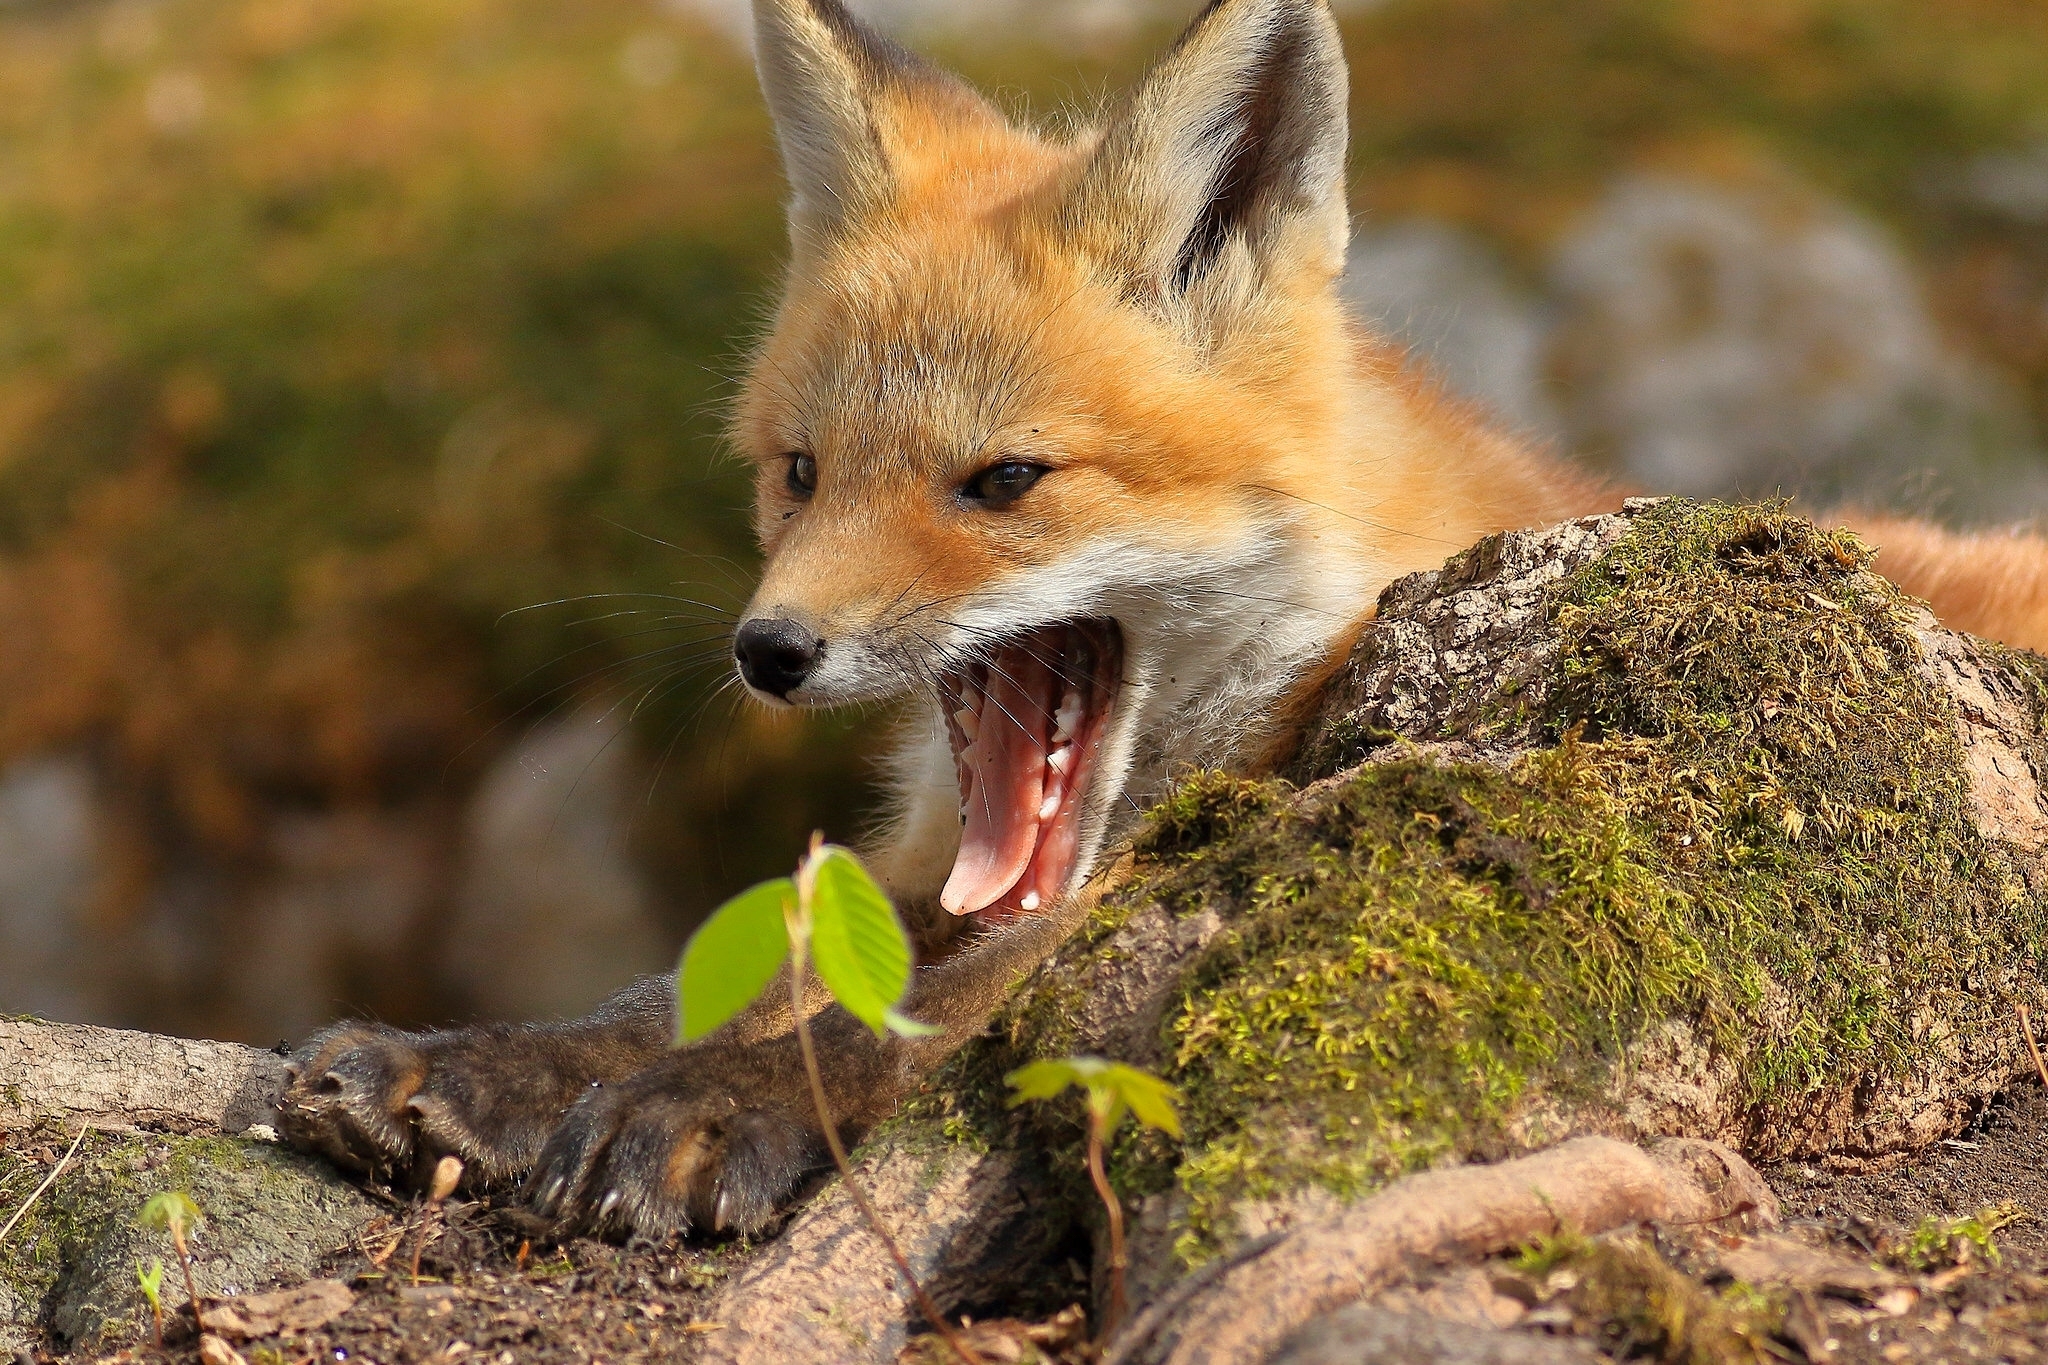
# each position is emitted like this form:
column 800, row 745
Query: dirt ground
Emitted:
column 487, row 1293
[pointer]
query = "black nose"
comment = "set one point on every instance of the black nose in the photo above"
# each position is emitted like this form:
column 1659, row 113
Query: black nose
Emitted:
column 776, row 655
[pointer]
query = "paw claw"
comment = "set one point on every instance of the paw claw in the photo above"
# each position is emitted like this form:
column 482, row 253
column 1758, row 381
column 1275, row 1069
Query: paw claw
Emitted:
column 643, row 1159
column 721, row 1217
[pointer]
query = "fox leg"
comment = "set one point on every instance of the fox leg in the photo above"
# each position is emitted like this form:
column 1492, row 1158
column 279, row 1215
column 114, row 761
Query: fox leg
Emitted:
column 391, row 1104
column 715, row 1136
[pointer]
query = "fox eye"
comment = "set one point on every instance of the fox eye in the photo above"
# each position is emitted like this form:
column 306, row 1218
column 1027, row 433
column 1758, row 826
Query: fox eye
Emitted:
column 803, row 476
column 1004, row 483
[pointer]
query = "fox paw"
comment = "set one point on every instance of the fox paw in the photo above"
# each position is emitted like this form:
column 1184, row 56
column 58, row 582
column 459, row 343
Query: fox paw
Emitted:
column 391, row 1104
column 649, row 1157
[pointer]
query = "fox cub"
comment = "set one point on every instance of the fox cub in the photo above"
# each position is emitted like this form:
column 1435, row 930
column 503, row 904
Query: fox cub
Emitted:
column 1072, row 441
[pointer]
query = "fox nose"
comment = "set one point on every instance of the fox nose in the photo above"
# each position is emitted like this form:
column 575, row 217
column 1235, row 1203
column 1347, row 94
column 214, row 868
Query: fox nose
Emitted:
column 776, row 655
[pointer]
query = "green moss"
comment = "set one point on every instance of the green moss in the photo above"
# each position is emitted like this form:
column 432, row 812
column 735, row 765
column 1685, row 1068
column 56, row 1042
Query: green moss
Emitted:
column 1752, row 818
column 1940, row 1243
column 1635, row 1305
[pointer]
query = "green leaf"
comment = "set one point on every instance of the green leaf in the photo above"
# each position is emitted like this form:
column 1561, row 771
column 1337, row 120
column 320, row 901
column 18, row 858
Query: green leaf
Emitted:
column 903, row 1026
column 173, row 1210
column 731, row 958
column 152, row 1281
column 1042, row 1080
column 1111, row 1088
column 861, row 952
column 1150, row 1098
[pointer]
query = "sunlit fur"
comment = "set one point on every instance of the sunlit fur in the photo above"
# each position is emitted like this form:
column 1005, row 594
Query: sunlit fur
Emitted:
column 1237, row 469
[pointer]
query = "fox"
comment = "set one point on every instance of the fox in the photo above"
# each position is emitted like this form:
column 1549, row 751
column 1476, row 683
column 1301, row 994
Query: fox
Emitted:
column 1069, row 442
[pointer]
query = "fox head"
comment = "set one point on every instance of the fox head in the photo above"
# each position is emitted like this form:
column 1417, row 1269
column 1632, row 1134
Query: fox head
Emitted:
column 1043, row 427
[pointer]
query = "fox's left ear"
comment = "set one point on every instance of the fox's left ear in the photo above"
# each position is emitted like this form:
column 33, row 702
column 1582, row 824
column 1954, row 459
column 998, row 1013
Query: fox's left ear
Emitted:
column 1231, row 152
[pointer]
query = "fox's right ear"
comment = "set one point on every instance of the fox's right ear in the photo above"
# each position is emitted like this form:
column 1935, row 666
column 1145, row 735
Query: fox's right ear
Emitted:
column 848, row 105
column 1227, row 161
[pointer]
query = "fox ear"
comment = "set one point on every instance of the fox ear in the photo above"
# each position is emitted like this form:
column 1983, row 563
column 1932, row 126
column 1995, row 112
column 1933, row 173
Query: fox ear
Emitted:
column 845, row 101
column 1234, row 143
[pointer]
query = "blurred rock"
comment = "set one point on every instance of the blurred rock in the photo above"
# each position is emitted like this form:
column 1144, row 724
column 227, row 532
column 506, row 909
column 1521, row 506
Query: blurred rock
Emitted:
column 343, row 915
column 552, row 913
column 1718, row 340
column 1447, row 296
column 50, row 859
column 523, row 902
column 1722, row 341
column 2012, row 185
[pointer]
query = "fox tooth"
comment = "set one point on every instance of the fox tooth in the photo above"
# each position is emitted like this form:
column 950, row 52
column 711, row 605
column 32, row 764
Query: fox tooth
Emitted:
column 969, row 721
column 1067, row 719
column 1030, row 901
column 1061, row 760
column 1049, row 807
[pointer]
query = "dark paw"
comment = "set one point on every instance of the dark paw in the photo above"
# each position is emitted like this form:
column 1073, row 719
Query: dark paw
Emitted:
column 647, row 1157
column 391, row 1104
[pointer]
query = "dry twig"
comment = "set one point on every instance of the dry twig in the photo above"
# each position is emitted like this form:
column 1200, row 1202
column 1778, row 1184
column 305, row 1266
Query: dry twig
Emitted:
column 2027, row 1029
column 48, row 1181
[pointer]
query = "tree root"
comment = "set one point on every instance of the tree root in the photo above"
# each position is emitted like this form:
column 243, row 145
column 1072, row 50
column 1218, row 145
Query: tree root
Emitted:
column 1248, row 1312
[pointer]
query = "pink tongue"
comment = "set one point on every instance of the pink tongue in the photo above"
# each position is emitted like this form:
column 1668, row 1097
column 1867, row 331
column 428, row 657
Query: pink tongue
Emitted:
column 1006, row 782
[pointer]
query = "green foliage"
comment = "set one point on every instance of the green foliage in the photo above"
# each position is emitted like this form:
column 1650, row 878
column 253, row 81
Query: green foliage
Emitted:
column 152, row 1282
column 732, row 957
column 1942, row 1243
column 1111, row 1087
column 833, row 912
column 859, row 946
column 173, row 1211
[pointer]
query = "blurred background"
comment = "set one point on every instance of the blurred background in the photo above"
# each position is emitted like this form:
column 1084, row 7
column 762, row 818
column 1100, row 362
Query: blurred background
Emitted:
column 366, row 547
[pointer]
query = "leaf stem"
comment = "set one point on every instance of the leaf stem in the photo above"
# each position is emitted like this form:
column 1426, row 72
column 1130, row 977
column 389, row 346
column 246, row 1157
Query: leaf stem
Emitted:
column 798, row 944
column 185, row 1264
column 1114, row 1312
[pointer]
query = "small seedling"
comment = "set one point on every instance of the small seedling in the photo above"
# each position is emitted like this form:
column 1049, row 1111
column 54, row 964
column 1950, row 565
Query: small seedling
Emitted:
column 447, row 1175
column 831, row 914
column 152, row 1282
column 1112, row 1090
column 174, row 1211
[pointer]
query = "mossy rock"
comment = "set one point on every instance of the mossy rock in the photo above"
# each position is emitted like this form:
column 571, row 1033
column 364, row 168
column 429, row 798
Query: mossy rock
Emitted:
column 1677, row 822
column 68, row 1271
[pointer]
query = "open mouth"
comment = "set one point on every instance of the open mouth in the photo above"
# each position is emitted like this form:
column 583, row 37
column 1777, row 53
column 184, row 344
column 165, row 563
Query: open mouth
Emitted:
column 1026, row 725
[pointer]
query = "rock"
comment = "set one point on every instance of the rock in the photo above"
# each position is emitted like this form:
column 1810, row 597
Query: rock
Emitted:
column 973, row 1224
column 552, row 912
column 1714, row 338
column 1445, row 295
column 50, row 858
column 1621, row 827
column 115, row 1078
column 1362, row 1335
column 298, row 1309
column 214, row 1351
column 1778, row 1260
column 70, row 1268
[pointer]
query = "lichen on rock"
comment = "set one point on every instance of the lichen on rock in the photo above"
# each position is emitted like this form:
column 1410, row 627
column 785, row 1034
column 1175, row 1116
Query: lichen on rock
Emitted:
column 1654, row 823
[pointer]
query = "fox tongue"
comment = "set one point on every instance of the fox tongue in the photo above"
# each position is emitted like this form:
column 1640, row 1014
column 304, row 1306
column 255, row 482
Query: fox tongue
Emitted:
column 1002, row 788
